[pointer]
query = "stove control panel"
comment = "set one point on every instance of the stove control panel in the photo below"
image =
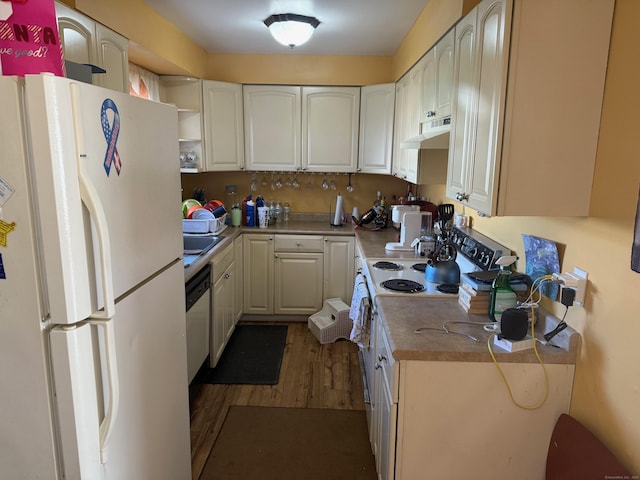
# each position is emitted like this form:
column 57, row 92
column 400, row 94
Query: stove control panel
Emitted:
column 481, row 250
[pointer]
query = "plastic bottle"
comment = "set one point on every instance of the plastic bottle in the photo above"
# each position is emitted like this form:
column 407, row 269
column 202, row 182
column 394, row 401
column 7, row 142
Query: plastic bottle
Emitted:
column 251, row 213
column 502, row 295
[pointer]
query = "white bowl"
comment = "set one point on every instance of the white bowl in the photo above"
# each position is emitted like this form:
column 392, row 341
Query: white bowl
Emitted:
column 202, row 214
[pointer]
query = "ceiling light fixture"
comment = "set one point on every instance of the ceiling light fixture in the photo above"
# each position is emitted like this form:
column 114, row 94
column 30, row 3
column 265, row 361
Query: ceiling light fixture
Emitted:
column 291, row 29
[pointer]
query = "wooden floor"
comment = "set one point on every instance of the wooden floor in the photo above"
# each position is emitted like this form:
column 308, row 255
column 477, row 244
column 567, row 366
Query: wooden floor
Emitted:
column 312, row 376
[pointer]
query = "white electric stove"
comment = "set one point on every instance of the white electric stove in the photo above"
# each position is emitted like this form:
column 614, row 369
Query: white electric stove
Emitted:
column 406, row 276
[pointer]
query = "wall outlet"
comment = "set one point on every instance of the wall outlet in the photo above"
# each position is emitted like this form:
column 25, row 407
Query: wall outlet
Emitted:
column 576, row 280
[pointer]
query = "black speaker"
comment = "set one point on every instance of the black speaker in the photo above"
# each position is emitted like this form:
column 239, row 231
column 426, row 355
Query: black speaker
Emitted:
column 514, row 324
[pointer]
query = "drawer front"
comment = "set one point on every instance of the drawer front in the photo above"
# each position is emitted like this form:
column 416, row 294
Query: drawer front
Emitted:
column 299, row 243
column 221, row 262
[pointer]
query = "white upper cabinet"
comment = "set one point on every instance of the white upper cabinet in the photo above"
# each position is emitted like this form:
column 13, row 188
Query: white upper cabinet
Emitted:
column 330, row 121
column 272, row 127
column 85, row 41
column 290, row 128
column 444, row 60
column 526, row 107
column 407, row 121
column 223, row 126
column 377, row 104
column 186, row 94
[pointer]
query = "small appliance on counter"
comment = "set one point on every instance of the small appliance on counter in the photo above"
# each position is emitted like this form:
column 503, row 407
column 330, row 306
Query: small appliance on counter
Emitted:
column 412, row 225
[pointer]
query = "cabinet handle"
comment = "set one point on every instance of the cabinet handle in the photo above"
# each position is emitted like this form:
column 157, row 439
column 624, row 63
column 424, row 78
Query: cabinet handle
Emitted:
column 377, row 366
column 276, row 256
column 461, row 196
column 227, row 276
column 382, row 358
column 431, row 113
column 298, row 244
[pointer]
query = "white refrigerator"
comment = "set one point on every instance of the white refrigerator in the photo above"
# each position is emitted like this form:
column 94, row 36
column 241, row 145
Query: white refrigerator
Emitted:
column 93, row 372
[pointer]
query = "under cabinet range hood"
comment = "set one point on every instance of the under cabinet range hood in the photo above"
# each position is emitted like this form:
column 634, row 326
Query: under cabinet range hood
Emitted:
column 434, row 134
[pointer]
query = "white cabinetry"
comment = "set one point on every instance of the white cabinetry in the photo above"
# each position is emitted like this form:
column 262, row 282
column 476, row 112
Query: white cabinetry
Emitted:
column 223, row 317
column 223, row 126
column 339, row 265
column 257, row 252
column 330, row 121
column 85, row 41
column 437, row 81
column 238, row 266
column 298, row 274
column 272, row 127
column 289, row 128
column 209, row 121
column 526, row 110
column 293, row 274
column 385, row 405
column 407, row 122
column 377, row 104
column 186, row 94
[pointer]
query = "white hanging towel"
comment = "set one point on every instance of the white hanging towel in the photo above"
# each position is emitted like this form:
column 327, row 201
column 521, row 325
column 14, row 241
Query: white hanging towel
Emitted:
column 360, row 313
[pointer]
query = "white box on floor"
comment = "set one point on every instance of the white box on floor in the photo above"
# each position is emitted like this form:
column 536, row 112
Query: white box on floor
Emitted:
column 332, row 322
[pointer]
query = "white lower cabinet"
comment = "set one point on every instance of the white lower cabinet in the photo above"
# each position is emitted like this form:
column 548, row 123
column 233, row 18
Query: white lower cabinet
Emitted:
column 223, row 318
column 385, row 405
column 293, row 274
column 339, row 267
column 298, row 283
column 451, row 420
column 238, row 264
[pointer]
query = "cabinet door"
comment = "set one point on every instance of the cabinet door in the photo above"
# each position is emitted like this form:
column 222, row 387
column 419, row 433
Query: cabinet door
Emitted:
column 298, row 283
column 77, row 34
column 112, row 52
column 339, row 260
column 330, row 121
column 444, row 59
column 408, row 108
column 429, row 86
column 258, row 273
column 238, row 266
column 272, row 127
column 218, row 308
column 223, row 126
column 491, row 87
column 377, row 104
column 461, row 148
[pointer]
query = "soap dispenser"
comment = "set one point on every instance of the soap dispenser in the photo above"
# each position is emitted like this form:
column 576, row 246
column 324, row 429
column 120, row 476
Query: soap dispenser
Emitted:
column 502, row 295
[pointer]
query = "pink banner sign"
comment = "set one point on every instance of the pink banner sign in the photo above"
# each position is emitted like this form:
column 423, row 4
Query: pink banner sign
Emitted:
column 29, row 39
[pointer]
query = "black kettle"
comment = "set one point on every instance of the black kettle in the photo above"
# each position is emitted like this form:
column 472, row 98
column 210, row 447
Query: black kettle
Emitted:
column 442, row 268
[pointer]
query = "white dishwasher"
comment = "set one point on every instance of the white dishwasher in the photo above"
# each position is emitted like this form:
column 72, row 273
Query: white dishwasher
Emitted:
column 198, row 303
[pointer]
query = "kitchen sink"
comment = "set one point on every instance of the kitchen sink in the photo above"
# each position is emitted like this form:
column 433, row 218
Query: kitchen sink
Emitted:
column 195, row 245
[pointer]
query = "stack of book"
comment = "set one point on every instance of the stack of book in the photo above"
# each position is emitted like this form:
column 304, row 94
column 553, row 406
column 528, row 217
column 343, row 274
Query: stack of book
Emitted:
column 474, row 293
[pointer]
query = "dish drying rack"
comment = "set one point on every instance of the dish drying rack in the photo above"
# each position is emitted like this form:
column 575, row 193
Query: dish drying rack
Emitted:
column 215, row 226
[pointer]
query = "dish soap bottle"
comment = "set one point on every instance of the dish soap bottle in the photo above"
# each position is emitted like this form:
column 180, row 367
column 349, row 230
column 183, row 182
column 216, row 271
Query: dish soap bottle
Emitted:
column 502, row 295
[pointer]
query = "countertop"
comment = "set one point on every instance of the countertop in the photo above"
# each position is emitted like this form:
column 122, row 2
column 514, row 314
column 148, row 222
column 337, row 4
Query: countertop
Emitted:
column 317, row 225
column 401, row 316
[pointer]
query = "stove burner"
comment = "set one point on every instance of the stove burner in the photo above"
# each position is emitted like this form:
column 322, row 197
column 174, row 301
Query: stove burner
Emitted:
column 421, row 267
column 447, row 288
column 387, row 266
column 404, row 286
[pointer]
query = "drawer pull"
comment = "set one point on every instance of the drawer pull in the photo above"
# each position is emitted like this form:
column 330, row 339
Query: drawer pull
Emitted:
column 382, row 358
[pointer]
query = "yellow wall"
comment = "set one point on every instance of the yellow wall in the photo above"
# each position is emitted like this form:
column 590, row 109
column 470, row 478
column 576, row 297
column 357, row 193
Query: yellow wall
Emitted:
column 606, row 395
column 607, row 386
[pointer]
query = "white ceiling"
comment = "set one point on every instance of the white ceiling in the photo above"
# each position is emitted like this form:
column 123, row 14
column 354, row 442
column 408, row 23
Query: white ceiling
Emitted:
column 348, row 27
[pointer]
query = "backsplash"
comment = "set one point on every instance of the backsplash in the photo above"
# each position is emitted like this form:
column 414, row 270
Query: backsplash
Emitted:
column 309, row 197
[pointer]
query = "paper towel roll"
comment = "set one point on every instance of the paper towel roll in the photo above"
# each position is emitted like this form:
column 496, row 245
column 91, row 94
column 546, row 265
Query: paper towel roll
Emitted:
column 337, row 220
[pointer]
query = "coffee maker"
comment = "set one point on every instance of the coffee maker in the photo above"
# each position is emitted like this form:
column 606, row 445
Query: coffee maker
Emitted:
column 412, row 224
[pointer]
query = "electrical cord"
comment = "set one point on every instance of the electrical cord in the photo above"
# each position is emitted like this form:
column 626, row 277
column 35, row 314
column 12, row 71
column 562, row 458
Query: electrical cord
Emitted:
column 535, row 349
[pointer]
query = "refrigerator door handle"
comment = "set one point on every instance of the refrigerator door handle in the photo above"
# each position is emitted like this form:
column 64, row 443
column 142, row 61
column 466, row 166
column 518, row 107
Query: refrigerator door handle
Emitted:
column 91, row 199
column 111, row 413
column 103, row 318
